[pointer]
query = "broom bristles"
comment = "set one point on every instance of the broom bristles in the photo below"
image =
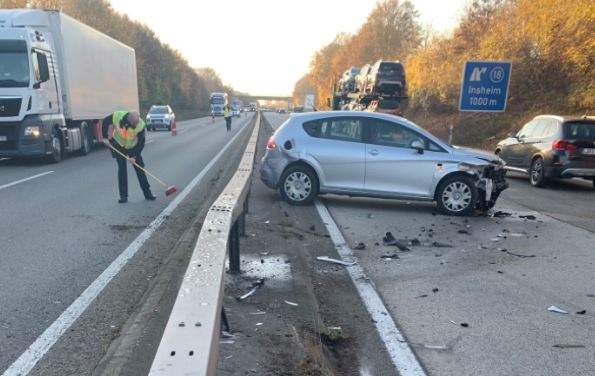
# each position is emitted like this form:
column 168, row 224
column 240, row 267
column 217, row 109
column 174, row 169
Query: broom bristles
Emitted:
column 170, row 190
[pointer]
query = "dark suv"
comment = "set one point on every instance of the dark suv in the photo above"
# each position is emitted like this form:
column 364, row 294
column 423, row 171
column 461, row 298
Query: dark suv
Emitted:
column 552, row 146
column 386, row 78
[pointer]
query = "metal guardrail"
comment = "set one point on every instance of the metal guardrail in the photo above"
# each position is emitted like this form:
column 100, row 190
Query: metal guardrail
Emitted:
column 190, row 342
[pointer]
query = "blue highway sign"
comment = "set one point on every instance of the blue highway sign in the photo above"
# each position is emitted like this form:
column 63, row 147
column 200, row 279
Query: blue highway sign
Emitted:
column 485, row 86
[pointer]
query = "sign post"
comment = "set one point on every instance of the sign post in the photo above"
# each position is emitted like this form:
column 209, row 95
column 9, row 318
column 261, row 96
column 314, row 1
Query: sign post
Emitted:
column 485, row 86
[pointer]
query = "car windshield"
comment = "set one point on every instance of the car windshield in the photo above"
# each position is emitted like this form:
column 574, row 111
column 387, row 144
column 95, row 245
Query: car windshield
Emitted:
column 14, row 64
column 391, row 69
column 580, row 130
column 158, row 110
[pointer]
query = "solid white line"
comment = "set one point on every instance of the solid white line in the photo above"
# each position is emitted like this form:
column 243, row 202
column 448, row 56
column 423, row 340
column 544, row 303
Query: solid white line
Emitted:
column 26, row 179
column 398, row 350
column 25, row 363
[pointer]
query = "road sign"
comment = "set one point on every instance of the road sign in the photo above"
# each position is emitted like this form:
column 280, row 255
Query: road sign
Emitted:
column 485, row 86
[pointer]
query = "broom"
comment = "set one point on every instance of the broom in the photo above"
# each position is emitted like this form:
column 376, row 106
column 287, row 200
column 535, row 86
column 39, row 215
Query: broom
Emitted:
column 169, row 190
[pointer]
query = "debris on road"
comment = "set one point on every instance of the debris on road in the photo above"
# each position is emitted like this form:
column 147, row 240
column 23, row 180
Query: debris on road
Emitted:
column 581, row 312
column 514, row 254
column 463, row 231
column 556, row 310
column 389, row 239
column 530, row 217
column 370, row 216
column 291, row 303
column 258, row 313
column 435, row 290
column 568, row 346
column 463, row 324
column 255, row 286
column 441, row 245
column 312, row 228
column 421, row 296
column 336, row 261
column 360, row 246
column 389, row 257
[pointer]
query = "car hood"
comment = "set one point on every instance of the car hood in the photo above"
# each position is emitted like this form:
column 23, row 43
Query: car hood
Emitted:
column 483, row 155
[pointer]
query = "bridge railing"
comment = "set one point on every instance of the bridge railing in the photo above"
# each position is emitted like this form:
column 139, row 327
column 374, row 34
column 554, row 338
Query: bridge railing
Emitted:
column 190, row 342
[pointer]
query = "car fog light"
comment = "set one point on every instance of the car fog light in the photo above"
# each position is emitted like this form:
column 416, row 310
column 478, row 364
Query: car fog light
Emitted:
column 32, row 131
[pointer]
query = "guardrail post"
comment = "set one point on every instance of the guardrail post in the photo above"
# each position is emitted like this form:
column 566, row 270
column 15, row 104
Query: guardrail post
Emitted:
column 234, row 248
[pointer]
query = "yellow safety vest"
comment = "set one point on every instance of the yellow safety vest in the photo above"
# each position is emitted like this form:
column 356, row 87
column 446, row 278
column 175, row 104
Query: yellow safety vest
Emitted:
column 126, row 137
column 227, row 112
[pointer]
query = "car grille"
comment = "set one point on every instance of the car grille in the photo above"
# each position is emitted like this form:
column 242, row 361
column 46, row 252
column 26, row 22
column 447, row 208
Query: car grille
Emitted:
column 10, row 107
column 9, row 130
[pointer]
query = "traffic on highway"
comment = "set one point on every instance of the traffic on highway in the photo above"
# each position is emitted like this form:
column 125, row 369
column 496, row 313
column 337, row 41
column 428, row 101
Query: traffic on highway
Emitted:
column 387, row 217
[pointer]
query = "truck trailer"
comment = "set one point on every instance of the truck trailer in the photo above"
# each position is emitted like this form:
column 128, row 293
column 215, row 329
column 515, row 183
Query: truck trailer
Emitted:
column 58, row 79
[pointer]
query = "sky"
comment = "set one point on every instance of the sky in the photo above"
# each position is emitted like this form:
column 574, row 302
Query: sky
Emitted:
column 263, row 47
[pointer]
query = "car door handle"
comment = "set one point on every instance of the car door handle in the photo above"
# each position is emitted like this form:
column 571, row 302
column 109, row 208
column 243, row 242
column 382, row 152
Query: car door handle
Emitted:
column 373, row 152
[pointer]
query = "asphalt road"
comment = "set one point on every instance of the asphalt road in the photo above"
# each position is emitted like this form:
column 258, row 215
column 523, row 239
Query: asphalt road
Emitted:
column 61, row 227
column 498, row 276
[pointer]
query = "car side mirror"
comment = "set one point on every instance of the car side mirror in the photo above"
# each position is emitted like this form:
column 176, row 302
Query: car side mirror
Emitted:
column 417, row 145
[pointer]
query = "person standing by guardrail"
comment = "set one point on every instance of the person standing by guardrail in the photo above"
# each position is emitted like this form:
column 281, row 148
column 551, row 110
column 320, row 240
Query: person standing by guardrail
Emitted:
column 125, row 132
column 227, row 116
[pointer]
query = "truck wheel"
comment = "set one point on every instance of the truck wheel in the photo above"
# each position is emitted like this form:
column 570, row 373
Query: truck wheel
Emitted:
column 55, row 147
column 85, row 141
column 456, row 195
column 299, row 185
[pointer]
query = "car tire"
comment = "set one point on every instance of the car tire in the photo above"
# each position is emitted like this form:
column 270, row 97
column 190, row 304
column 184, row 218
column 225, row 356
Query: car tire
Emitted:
column 456, row 195
column 299, row 185
column 537, row 173
column 85, row 139
column 55, row 147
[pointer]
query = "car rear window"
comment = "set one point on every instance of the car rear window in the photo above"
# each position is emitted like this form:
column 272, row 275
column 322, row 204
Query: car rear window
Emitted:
column 579, row 130
column 343, row 129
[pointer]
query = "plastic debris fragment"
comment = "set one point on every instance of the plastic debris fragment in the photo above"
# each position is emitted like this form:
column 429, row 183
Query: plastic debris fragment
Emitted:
column 557, row 310
column 335, row 261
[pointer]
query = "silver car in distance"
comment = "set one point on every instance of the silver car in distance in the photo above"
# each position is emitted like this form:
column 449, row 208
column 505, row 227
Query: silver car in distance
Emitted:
column 371, row 154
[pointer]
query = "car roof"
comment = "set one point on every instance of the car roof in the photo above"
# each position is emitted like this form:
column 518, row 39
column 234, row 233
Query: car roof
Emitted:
column 565, row 118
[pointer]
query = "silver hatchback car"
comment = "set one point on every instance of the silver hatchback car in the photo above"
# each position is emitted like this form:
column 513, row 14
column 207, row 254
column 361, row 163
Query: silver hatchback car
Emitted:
column 377, row 155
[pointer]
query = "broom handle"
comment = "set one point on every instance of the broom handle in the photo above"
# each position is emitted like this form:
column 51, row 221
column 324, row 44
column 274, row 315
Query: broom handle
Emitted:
column 135, row 164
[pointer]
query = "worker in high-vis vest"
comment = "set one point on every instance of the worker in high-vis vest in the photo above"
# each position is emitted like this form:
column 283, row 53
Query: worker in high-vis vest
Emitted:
column 227, row 115
column 125, row 131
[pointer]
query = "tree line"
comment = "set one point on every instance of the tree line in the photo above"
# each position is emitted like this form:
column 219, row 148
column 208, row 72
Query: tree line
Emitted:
column 550, row 43
column 164, row 76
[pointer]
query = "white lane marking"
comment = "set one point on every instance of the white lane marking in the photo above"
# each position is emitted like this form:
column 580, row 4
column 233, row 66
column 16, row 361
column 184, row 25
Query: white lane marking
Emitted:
column 398, row 350
column 25, row 363
column 149, row 141
column 4, row 159
column 26, row 179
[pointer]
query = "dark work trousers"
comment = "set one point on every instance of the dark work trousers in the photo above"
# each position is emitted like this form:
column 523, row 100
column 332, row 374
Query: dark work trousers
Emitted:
column 228, row 123
column 123, row 176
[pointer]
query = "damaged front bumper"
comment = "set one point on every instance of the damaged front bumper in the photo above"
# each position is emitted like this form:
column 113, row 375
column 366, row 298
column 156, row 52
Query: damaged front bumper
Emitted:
column 489, row 186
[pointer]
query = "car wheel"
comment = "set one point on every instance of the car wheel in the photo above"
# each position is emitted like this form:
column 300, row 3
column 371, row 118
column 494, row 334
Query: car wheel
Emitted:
column 55, row 147
column 456, row 195
column 537, row 173
column 299, row 185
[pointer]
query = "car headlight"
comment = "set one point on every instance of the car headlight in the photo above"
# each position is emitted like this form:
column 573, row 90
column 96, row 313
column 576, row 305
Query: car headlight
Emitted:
column 32, row 131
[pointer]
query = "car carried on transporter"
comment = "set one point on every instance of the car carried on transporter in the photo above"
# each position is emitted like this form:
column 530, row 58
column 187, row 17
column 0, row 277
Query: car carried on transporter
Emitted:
column 372, row 154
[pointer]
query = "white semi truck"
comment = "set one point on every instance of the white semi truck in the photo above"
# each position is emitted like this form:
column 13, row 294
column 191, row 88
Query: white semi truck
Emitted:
column 58, row 79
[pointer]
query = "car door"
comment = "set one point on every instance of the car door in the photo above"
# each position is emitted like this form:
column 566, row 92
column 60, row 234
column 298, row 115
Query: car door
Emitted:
column 393, row 167
column 337, row 150
column 514, row 152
